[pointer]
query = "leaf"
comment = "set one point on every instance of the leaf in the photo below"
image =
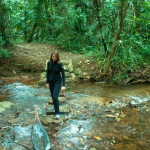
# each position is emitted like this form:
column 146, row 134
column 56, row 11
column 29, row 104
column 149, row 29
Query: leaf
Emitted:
column 96, row 138
column 122, row 115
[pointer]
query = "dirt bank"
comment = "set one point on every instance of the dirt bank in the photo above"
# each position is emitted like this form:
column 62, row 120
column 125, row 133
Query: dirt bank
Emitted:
column 31, row 58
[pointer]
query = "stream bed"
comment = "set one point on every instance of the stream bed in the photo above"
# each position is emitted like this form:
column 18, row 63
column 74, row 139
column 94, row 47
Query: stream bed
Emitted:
column 99, row 116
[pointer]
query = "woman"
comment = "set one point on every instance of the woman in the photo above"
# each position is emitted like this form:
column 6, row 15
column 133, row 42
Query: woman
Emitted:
column 55, row 79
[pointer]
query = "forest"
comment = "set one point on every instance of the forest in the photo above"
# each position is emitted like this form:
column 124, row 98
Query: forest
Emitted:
column 115, row 34
column 104, row 47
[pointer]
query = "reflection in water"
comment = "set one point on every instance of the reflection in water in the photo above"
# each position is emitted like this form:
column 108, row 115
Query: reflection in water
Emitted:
column 111, row 90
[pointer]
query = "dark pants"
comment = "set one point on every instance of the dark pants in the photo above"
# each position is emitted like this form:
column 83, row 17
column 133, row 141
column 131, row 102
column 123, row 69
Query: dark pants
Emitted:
column 54, row 90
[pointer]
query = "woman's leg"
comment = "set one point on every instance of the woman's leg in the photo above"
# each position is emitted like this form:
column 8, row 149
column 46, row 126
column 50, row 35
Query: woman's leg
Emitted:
column 51, row 88
column 56, row 91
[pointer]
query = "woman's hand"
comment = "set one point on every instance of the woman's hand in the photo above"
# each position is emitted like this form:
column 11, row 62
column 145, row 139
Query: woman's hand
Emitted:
column 47, row 85
column 63, row 88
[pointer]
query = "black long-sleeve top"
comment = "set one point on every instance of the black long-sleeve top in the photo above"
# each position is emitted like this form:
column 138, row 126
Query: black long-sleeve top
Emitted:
column 55, row 72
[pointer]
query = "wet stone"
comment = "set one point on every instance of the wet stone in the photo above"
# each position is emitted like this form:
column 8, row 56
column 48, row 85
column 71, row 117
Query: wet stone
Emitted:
column 56, row 129
column 69, row 145
column 64, row 108
column 5, row 105
column 49, row 107
column 51, row 120
column 92, row 149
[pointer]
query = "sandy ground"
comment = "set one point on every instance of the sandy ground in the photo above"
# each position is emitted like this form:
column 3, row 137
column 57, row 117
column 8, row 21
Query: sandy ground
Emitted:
column 32, row 58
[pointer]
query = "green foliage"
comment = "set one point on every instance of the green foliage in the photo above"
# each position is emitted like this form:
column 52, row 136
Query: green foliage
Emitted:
column 4, row 53
column 132, row 53
column 83, row 27
column 2, row 42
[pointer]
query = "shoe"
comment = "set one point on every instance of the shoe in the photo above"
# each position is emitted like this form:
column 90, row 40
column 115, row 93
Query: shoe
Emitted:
column 57, row 116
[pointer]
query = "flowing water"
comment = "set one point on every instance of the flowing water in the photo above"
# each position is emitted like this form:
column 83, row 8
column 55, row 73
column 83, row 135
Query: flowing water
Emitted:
column 101, row 116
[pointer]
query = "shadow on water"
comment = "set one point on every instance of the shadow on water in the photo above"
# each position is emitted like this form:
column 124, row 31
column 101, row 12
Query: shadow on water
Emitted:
column 101, row 116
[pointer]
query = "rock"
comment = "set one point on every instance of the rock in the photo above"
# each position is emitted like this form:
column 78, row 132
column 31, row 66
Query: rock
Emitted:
column 47, row 120
column 64, row 108
column 1, row 81
column 49, row 107
column 92, row 149
column 68, row 145
column 81, row 140
column 70, row 66
column 43, row 77
column 62, row 99
column 5, row 105
column 78, row 71
column 57, row 128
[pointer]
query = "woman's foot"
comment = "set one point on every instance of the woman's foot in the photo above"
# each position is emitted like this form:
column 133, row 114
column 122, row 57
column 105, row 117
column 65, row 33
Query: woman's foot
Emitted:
column 57, row 116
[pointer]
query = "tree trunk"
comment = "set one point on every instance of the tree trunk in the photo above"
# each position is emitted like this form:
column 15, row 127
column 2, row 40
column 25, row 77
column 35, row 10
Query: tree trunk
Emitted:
column 100, row 25
column 121, row 14
column 32, row 33
column 2, row 26
column 25, row 21
column 49, row 20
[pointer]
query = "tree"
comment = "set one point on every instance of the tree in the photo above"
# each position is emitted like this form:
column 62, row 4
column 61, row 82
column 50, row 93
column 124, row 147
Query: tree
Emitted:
column 122, row 7
column 3, row 38
column 97, row 5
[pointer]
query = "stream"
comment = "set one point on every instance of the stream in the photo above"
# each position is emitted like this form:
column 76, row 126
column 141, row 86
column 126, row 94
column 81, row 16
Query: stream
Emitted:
column 99, row 116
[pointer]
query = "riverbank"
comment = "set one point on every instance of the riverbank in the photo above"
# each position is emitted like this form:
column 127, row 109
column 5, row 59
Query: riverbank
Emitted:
column 31, row 58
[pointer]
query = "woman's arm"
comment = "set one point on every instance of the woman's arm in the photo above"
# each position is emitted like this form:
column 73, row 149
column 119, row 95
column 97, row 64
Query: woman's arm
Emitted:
column 63, row 77
column 47, row 75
